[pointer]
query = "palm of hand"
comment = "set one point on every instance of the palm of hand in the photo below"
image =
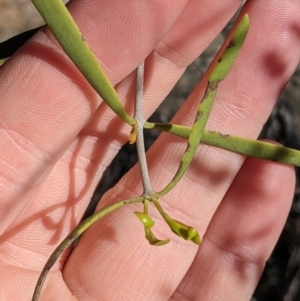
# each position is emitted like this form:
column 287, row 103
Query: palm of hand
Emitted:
column 66, row 138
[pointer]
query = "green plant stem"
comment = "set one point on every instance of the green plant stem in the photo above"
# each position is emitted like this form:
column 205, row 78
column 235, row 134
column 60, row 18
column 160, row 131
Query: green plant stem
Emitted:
column 253, row 148
column 79, row 230
column 67, row 33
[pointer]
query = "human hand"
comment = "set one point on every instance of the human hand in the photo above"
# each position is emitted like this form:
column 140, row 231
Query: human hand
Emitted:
column 57, row 137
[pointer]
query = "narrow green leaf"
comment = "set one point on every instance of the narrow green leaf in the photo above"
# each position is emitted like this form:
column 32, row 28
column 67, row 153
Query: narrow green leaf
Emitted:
column 205, row 106
column 194, row 138
column 253, row 148
column 231, row 52
column 72, row 41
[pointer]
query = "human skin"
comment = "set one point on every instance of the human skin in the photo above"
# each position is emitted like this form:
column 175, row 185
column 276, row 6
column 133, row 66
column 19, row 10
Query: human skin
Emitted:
column 57, row 138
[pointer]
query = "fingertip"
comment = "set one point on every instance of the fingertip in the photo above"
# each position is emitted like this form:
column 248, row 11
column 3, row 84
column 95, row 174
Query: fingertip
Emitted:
column 257, row 203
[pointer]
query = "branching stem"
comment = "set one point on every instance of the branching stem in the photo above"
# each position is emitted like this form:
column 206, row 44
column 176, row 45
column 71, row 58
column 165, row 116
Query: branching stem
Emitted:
column 140, row 120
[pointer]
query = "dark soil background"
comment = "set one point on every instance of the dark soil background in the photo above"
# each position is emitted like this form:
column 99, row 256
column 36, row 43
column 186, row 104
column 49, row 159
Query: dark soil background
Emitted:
column 281, row 278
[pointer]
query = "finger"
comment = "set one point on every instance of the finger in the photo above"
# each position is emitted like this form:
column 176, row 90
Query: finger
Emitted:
column 241, row 235
column 41, row 91
column 208, row 179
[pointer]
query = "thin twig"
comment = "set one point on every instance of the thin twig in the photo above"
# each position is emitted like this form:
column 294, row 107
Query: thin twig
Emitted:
column 140, row 119
column 79, row 230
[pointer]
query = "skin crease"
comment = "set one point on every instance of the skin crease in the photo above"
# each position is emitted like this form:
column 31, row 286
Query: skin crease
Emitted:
column 57, row 137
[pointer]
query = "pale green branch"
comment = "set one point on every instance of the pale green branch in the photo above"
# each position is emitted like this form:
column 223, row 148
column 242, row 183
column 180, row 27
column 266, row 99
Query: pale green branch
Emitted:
column 79, row 230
